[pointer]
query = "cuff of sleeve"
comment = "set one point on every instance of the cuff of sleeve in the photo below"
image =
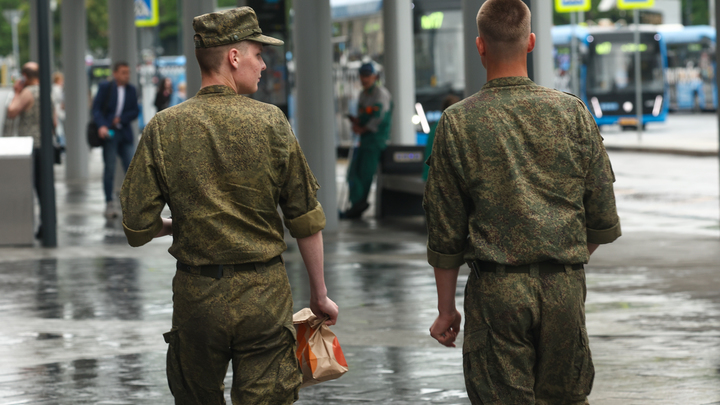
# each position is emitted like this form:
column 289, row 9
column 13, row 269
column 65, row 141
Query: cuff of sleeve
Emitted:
column 443, row 261
column 307, row 224
column 139, row 238
column 602, row 236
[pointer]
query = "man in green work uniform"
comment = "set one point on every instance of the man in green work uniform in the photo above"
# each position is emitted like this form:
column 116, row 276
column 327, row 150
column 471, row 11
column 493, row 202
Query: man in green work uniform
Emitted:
column 520, row 188
column 223, row 162
column 373, row 125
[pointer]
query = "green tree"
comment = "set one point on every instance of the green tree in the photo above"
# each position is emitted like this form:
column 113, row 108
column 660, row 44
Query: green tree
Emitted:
column 97, row 27
column 170, row 26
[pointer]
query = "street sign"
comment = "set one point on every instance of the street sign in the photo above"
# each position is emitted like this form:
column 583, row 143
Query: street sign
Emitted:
column 634, row 4
column 571, row 6
column 147, row 13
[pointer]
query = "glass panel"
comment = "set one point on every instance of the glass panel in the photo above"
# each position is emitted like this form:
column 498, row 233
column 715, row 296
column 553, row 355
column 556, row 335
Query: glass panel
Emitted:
column 611, row 65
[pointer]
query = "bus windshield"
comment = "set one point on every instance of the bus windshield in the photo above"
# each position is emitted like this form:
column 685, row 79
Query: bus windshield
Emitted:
column 611, row 64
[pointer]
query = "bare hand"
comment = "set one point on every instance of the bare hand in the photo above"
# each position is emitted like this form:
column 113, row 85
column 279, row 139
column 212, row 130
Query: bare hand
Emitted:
column 446, row 328
column 116, row 121
column 19, row 86
column 358, row 129
column 103, row 132
column 325, row 307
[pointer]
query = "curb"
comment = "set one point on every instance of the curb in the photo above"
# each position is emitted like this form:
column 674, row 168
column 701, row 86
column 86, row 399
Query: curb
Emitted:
column 664, row 151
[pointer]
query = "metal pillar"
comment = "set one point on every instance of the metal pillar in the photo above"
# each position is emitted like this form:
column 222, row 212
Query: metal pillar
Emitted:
column 574, row 78
column 711, row 9
column 638, row 75
column 542, row 16
column 123, row 35
column 33, row 31
column 74, row 38
column 192, row 9
column 717, row 63
column 315, row 120
column 475, row 72
column 48, row 214
column 400, row 68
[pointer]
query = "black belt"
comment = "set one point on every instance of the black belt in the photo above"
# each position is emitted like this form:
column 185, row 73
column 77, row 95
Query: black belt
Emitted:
column 216, row 270
column 543, row 267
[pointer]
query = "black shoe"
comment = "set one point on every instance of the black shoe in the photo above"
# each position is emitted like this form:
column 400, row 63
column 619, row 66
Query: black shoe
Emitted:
column 355, row 211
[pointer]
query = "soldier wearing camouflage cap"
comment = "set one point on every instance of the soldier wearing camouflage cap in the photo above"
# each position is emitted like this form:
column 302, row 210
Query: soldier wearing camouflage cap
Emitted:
column 223, row 162
column 521, row 189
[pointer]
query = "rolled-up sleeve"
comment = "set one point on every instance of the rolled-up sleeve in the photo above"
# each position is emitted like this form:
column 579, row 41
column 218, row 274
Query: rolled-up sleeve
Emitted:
column 303, row 213
column 446, row 203
column 141, row 197
column 601, row 218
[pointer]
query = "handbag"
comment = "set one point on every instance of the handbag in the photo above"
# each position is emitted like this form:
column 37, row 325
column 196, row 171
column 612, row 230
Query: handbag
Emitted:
column 319, row 353
column 93, row 137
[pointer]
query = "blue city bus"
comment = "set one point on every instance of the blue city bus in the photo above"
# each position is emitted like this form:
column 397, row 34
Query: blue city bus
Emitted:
column 691, row 67
column 607, row 72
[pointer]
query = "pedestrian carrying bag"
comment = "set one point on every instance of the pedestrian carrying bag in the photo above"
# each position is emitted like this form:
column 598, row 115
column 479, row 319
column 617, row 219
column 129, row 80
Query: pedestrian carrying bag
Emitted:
column 318, row 351
column 93, row 136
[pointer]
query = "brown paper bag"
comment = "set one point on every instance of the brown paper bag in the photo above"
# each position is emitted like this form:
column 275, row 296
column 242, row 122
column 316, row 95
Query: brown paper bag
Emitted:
column 318, row 351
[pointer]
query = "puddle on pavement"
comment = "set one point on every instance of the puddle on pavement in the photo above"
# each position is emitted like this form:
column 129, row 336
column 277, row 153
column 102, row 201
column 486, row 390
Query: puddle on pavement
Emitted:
column 97, row 288
column 140, row 379
column 354, row 248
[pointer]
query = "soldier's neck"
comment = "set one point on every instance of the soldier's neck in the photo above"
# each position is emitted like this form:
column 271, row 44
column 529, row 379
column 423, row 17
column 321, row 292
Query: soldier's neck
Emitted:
column 502, row 68
column 218, row 80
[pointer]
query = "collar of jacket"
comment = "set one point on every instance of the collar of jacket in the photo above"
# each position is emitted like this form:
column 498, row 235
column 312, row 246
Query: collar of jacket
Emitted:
column 216, row 89
column 509, row 81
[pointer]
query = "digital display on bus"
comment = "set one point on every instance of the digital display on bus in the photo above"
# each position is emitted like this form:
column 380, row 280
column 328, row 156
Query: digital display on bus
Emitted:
column 611, row 63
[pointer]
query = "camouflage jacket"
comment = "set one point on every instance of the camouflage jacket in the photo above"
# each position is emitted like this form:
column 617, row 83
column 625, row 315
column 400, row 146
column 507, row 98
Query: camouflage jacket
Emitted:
column 518, row 175
column 375, row 114
column 222, row 162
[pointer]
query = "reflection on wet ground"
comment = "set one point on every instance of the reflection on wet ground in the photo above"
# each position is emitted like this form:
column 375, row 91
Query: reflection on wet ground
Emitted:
column 377, row 375
column 88, row 330
column 83, row 324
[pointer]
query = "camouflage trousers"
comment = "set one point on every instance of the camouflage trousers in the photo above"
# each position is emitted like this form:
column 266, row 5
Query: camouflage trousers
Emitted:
column 244, row 318
column 525, row 339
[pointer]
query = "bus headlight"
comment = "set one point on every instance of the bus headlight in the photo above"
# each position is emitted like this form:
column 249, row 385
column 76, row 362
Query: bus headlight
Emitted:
column 657, row 106
column 596, row 107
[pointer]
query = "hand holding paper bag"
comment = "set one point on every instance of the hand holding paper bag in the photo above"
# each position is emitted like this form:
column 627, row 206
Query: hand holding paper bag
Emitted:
column 318, row 351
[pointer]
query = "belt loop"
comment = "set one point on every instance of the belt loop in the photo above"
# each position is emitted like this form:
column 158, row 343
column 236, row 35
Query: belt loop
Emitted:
column 568, row 268
column 259, row 267
column 500, row 270
column 474, row 267
column 220, row 272
column 535, row 270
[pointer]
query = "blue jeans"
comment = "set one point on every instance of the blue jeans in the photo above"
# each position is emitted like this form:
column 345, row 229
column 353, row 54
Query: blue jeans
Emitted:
column 112, row 148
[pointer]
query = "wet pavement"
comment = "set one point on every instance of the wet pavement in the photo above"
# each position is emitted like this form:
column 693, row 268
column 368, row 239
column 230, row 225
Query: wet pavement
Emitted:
column 83, row 323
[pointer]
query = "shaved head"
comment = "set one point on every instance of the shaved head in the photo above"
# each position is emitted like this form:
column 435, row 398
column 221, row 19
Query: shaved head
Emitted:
column 210, row 59
column 505, row 26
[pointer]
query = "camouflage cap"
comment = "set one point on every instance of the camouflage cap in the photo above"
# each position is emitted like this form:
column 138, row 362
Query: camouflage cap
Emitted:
column 228, row 27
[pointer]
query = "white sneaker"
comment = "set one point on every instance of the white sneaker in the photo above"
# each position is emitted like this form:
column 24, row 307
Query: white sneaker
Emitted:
column 110, row 211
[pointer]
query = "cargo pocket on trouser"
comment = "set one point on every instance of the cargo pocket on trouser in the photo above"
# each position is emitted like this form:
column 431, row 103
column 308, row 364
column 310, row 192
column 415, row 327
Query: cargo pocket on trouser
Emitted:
column 176, row 381
column 478, row 384
column 583, row 369
column 289, row 374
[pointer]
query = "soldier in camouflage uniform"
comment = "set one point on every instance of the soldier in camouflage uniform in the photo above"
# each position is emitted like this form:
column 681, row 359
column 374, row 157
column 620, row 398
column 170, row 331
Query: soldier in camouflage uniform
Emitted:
column 223, row 162
column 520, row 189
column 373, row 126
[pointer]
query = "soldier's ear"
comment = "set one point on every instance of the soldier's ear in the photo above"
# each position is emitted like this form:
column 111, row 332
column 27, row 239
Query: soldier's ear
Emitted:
column 234, row 57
